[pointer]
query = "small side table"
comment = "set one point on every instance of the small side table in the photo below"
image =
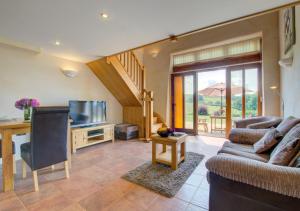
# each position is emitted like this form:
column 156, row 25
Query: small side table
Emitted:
column 170, row 158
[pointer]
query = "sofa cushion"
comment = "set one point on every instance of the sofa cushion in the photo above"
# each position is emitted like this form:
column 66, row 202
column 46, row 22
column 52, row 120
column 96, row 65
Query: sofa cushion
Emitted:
column 246, row 135
column 267, row 124
column 287, row 124
column 287, row 149
column 269, row 140
column 243, row 150
column 296, row 161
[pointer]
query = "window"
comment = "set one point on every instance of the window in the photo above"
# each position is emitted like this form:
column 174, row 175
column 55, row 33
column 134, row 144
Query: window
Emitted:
column 251, row 46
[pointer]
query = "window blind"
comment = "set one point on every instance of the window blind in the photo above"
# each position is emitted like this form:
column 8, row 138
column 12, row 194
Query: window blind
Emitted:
column 234, row 49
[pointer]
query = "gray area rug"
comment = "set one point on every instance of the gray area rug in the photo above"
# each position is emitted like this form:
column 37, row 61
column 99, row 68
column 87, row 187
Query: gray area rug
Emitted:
column 161, row 178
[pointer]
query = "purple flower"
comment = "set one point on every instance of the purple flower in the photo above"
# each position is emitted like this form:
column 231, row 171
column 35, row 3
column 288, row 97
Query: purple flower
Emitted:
column 26, row 103
column 34, row 103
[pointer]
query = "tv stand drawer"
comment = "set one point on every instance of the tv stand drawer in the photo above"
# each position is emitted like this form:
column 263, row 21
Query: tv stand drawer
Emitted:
column 79, row 138
column 108, row 133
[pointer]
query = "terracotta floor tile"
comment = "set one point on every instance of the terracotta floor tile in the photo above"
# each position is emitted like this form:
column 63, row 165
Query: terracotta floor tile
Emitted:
column 76, row 187
column 7, row 195
column 56, row 203
column 95, row 181
column 121, row 185
column 57, row 174
column 45, row 191
column 26, row 184
column 12, row 204
column 73, row 207
column 96, row 175
column 101, row 199
column 124, row 205
column 141, row 196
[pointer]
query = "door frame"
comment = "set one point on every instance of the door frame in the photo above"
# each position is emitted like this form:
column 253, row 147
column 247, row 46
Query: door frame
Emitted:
column 242, row 67
column 228, row 70
column 194, row 130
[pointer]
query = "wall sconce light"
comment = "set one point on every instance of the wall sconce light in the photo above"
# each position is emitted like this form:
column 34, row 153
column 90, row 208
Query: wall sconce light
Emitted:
column 277, row 92
column 286, row 62
column 154, row 53
column 69, row 72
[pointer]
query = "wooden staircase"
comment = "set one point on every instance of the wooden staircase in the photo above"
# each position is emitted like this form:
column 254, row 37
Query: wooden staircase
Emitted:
column 158, row 122
column 124, row 77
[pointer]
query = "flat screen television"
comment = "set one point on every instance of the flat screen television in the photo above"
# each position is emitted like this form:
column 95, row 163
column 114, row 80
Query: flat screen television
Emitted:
column 85, row 113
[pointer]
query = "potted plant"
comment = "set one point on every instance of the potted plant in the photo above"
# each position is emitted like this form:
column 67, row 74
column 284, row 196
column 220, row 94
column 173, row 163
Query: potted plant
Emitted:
column 26, row 104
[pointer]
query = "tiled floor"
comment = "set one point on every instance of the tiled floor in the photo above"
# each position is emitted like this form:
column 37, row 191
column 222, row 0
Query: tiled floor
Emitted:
column 95, row 182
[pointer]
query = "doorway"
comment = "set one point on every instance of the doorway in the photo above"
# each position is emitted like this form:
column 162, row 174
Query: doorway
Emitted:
column 211, row 102
column 184, row 102
column 244, row 92
column 207, row 102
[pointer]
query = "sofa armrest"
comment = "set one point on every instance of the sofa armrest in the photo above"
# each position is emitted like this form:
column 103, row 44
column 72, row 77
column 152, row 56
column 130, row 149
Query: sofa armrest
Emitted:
column 280, row 179
column 246, row 135
column 243, row 123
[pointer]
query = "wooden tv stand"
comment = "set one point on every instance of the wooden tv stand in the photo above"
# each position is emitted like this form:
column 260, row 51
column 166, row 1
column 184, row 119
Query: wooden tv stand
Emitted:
column 87, row 136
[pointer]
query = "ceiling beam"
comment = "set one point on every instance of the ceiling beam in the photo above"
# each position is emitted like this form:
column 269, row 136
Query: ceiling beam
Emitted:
column 224, row 23
column 21, row 45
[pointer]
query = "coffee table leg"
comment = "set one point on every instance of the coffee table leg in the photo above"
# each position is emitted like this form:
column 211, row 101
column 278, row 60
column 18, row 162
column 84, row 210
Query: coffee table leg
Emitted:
column 153, row 152
column 182, row 150
column 164, row 148
column 174, row 157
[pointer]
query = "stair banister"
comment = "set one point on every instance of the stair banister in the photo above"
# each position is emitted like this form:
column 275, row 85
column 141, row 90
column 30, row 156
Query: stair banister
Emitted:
column 148, row 108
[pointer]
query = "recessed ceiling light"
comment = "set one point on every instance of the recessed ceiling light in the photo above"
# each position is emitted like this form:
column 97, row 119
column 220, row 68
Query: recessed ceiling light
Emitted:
column 57, row 43
column 104, row 15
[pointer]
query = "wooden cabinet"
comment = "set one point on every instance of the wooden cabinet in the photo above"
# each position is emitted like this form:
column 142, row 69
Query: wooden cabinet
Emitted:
column 108, row 133
column 82, row 137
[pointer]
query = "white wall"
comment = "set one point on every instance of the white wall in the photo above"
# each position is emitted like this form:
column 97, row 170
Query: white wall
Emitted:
column 290, row 77
column 27, row 74
column 158, row 69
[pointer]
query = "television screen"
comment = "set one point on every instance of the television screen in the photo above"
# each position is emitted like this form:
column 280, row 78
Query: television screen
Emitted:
column 87, row 112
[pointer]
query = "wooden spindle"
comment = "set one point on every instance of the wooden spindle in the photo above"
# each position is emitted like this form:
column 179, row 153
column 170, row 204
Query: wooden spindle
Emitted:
column 125, row 61
column 138, row 77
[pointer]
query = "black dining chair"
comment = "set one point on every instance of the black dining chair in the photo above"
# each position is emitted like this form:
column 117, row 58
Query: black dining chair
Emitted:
column 14, row 151
column 48, row 140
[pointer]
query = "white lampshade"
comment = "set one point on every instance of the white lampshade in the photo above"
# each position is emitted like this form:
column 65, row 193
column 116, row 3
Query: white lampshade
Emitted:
column 70, row 73
column 286, row 62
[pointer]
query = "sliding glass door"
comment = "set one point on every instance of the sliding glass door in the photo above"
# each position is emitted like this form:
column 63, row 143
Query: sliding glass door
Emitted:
column 244, row 92
column 208, row 102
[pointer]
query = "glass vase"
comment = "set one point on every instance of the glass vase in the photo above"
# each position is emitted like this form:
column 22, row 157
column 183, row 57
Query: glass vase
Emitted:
column 27, row 114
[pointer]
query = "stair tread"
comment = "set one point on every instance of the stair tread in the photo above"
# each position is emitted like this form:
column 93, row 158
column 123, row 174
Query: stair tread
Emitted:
column 155, row 127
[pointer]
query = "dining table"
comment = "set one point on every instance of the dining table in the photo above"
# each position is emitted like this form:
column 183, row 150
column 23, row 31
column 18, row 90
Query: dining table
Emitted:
column 9, row 128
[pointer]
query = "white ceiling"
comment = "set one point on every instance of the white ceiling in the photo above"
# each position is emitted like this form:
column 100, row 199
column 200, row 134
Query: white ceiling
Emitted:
column 132, row 23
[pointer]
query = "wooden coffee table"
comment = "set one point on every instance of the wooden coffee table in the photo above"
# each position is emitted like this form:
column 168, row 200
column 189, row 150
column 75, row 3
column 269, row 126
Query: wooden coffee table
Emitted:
column 171, row 158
